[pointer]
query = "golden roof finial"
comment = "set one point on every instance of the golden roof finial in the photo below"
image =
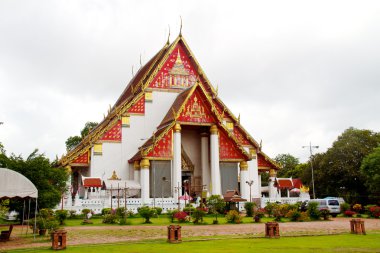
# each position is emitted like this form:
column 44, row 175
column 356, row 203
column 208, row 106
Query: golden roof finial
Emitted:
column 180, row 29
column 140, row 61
column 261, row 144
column 216, row 90
column 238, row 119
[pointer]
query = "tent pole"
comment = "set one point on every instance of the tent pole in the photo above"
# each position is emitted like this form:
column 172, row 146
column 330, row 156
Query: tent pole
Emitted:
column 27, row 224
column 22, row 220
column 35, row 221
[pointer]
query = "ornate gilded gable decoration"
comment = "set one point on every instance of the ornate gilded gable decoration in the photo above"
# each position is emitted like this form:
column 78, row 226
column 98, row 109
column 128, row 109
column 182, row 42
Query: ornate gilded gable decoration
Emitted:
column 196, row 110
column 177, row 71
column 263, row 163
column 164, row 147
column 138, row 107
column 227, row 149
column 186, row 163
column 82, row 160
column 114, row 134
column 242, row 140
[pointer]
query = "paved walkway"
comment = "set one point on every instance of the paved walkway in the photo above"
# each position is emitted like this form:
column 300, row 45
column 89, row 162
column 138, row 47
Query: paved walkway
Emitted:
column 111, row 234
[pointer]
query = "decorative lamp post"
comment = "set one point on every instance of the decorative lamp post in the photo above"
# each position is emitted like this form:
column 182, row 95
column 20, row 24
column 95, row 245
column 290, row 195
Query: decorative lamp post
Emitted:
column 311, row 165
column 162, row 191
column 250, row 183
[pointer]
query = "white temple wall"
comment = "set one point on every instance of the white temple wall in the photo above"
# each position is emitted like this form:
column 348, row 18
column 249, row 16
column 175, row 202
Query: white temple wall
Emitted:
column 116, row 155
column 191, row 142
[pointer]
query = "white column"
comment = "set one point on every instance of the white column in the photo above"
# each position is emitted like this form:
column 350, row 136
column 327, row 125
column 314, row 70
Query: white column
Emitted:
column 69, row 187
column 136, row 172
column 253, row 172
column 272, row 188
column 177, row 173
column 205, row 161
column 144, row 180
column 260, row 193
column 216, row 188
column 244, row 178
column 85, row 193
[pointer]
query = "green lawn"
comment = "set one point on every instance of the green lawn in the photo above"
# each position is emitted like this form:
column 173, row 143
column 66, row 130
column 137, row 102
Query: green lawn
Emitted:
column 160, row 221
column 320, row 244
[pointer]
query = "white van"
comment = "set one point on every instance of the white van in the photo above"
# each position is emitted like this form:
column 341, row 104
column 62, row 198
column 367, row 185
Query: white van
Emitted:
column 332, row 204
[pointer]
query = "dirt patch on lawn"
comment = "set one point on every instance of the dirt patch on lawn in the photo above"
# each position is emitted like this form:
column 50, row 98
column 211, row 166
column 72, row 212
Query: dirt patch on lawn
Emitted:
column 111, row 234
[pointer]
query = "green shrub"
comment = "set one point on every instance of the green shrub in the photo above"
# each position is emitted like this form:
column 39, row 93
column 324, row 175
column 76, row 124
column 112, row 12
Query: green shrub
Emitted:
column 46, row 213
column 312, row 210
column 325, row 213
column 269, row 208
column 110, row 218
column 158, row 210
column 293, row 215
column 248, row 206
column 106, row 211
column 233, row 216
column 171, row 214
column 345, row 207
column 198, row 215
column 73, row 214
column 85, row 213
column 61, row 216
column 189, row 209
column 146, row 212
column 120, row 212
column 130, row 213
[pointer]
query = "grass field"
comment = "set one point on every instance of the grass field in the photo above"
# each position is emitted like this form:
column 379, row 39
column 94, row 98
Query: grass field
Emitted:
column 320, row 244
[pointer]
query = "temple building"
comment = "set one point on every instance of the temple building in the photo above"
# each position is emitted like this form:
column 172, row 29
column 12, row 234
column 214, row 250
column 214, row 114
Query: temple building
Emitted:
column 167, row 136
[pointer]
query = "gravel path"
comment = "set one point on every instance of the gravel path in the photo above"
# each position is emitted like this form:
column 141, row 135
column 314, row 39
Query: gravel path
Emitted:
column 111, row 234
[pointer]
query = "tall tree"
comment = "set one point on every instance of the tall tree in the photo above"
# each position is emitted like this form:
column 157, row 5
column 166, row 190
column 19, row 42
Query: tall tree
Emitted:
column 289, row 166
column 50, row 182
column 371, row 172
column 73, row 141
column 337, row 172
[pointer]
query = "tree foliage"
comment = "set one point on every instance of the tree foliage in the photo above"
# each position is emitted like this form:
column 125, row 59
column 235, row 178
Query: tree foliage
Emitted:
column 73, row 141
column 370, row 170
column 50, row 182
column 337, row 172
column 289, row 165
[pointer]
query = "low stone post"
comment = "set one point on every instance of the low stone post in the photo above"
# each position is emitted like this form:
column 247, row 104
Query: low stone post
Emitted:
column 357, row 226
column 272, row 230
column 58, row 239
column 174, row 234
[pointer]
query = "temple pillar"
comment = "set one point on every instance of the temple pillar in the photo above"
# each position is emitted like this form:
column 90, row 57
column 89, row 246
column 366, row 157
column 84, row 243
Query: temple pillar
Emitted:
column 136, row 171
column 177, row 172
column 244, row 178
column 253, row 172
column 259, row 178
column 205, row 161
column 216, row 188
column 69, row 187
column 144, row 180
column 272, row 188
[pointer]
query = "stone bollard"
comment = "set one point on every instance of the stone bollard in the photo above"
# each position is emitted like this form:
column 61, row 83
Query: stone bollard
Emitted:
column 58, row 239
column 174, row 234
column 272, row 230
column 357, row 226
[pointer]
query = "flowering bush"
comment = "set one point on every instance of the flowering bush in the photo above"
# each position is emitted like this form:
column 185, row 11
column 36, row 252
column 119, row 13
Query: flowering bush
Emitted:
column 349, row 213
column 374, row 211
column 180, row 216
column 325, row 213
column 357, row 208
column 233, row 217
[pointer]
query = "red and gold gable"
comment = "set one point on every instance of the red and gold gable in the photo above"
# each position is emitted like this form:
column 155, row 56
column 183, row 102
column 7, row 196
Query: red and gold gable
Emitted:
column 177, row 71
column 242, row 140
column 138, row 107
column 114, row 134
column 263, row 163
column 164, row 147
column 196, row 110
column 83, row 159
column 227, row 148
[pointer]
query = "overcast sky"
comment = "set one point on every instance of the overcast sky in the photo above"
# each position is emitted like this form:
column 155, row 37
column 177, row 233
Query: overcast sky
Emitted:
column 296, row 71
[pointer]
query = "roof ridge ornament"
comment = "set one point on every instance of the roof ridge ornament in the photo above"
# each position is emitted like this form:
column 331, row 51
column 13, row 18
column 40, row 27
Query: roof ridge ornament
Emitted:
column 180, row 28
column 168, row 41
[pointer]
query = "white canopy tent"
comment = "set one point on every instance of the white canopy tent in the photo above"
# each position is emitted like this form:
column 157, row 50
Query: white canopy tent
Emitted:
column 16, row 185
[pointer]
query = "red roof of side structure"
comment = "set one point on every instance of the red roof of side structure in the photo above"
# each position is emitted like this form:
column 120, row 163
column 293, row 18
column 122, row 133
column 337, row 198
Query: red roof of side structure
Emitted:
column 92, row 182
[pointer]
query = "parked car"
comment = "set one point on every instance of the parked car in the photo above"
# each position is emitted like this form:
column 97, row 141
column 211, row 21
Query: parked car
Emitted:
column 332, row 204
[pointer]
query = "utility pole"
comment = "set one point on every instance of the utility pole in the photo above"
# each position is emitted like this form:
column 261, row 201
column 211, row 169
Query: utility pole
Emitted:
column 311, row 164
